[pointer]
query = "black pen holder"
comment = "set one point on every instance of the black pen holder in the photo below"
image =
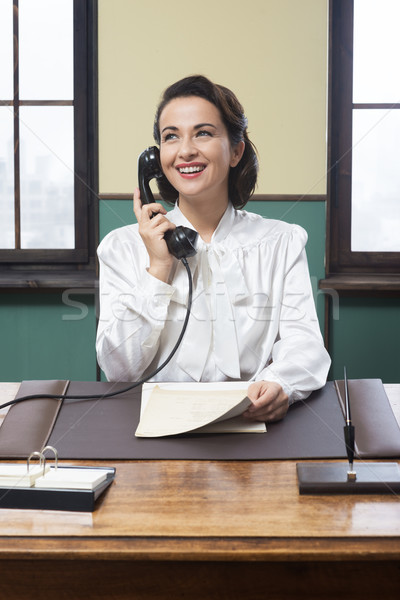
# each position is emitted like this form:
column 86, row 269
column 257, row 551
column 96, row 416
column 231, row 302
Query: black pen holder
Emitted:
column 333, row 478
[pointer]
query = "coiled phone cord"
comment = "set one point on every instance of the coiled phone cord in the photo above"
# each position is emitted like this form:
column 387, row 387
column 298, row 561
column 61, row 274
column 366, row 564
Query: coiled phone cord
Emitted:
column 132, row 385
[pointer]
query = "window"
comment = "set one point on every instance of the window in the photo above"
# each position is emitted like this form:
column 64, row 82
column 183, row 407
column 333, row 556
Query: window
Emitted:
column 364, row 144
column 48, row 136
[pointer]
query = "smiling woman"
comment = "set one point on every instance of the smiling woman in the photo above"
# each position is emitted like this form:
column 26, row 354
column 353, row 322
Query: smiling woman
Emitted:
column 253, row 316
column 229, row 115
column 196, row 157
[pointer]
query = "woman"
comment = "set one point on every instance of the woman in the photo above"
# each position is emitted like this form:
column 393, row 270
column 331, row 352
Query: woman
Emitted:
column 253, row 317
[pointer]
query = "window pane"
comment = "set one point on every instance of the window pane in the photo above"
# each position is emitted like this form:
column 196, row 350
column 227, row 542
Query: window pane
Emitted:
column 6, row 50
column 7, row 235
column 46, row 49
column 47, row 177
column 375, row 215
column 376, row 51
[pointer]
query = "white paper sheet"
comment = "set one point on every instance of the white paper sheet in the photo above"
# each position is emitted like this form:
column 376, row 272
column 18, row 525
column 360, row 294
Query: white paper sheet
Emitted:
column 174, row 408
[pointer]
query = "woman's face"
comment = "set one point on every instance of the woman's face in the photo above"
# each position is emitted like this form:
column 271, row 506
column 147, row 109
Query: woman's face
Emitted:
column 196, row 152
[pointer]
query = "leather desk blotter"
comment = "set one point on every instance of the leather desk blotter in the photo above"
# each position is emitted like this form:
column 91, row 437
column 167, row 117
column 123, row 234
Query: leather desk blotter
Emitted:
column 28, row 425
column 377, row 432
column 104, row 429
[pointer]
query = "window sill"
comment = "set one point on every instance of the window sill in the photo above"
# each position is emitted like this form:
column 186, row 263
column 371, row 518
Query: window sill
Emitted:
column 361, row 283
column 41, row 281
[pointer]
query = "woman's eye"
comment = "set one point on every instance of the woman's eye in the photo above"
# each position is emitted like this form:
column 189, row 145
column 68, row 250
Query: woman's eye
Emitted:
column 169, row 136
column 204, row 132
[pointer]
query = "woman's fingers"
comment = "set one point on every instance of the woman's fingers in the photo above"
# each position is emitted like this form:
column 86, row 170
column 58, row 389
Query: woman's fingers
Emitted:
column 270, row 402
column 146, row 211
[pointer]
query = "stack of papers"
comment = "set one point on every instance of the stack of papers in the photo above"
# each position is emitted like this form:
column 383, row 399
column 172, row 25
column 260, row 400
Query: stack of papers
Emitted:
column 200, row 409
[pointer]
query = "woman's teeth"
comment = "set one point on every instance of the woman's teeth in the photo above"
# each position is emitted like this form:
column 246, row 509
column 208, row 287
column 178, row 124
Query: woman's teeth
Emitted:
column 191, row 169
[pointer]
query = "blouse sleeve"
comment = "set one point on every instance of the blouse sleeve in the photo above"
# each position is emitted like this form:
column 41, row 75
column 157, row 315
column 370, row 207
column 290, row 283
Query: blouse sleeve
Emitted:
column 133, row 309
column 300, row 363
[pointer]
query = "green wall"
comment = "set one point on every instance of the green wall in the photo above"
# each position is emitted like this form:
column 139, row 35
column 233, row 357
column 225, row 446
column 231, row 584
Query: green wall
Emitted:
column 51, row 336
column 47, row 336
column 365, row 337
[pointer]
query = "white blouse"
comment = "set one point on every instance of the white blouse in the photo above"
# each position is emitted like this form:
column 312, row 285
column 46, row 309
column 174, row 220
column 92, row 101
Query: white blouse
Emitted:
column 253, row 316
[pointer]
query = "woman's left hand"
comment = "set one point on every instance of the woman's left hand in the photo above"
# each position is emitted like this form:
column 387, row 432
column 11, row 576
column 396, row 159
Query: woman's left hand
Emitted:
column 269, row 402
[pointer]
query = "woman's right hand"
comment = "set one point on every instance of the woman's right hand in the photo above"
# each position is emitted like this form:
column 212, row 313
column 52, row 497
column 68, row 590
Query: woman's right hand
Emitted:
column 152, row 230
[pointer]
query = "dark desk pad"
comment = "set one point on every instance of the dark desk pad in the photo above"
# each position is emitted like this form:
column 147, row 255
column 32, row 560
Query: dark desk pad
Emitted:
column 28, row 425
column 377, row 432
column 105, row 429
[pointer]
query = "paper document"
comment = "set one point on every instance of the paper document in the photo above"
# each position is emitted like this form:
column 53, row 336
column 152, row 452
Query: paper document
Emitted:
column 199, row 410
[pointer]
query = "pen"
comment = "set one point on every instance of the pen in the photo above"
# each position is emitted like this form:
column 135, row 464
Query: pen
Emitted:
column 349, row 431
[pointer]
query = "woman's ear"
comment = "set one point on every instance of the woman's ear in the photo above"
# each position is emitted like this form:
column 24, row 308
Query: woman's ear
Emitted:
column 237, row 153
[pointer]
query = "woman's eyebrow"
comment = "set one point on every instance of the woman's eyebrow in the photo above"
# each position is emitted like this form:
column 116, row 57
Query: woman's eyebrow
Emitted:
column 169, row 127
column 204, row 125
column 199, row 126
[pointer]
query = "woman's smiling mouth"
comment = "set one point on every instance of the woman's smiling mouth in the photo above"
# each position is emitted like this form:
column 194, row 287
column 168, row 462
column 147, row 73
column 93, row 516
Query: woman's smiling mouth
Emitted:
column 192, row 169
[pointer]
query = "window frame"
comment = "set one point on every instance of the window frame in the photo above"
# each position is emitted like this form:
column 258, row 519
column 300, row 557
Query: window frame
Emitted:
column 368, row 270
column 61, row 267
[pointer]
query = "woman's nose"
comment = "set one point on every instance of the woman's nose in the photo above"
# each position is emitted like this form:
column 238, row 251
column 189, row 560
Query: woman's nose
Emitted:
column 187, row 148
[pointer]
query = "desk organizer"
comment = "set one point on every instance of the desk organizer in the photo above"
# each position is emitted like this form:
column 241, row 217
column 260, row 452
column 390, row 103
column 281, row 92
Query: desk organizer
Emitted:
column 56, row 499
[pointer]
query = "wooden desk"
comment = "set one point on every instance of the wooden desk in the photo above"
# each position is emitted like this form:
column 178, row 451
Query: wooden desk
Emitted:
column 202, row 531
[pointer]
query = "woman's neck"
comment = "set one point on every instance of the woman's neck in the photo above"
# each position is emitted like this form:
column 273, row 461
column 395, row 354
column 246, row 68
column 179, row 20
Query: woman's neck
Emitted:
column 204, row 218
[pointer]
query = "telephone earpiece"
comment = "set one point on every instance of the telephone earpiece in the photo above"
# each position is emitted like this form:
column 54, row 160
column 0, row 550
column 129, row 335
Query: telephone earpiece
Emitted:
column 149, row 166
column 180, row 241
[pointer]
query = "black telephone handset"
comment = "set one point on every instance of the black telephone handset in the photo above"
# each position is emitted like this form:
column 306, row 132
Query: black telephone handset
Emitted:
column 180, row 241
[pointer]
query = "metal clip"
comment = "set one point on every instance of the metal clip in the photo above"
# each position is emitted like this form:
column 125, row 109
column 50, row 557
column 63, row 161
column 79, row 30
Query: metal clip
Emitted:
column 55, row 455
column 42, row 462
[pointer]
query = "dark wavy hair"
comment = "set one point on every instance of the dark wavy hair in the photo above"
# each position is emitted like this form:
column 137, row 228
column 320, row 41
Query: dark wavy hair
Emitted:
column 243, row 177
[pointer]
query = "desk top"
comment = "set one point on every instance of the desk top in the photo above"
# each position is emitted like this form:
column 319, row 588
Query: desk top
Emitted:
column 203, row 509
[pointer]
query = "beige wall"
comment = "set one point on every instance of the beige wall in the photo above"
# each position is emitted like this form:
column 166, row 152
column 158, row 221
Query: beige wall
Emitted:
column 272, row 53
